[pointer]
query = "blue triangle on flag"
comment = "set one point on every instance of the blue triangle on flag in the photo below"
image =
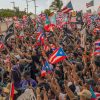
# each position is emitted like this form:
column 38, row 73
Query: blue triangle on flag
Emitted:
column 39, row 29
column 60, row 52
column 98, row 44
column 43, row 68
column 46, row 67
column 69, row 5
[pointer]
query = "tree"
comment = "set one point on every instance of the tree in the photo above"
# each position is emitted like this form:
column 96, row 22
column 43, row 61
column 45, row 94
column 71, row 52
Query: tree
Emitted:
column 56, row 5
column 6, row 13
column 47, row 12
column 12, row 13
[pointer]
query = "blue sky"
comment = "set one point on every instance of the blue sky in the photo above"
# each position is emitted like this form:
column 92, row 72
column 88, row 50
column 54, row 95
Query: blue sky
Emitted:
column 43, row 4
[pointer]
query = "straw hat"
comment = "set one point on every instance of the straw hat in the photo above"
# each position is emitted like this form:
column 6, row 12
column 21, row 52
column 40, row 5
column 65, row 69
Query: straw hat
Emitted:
column 85, row 93
column 7, row 89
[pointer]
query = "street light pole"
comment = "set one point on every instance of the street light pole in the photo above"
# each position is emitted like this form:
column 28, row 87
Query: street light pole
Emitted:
column 27, row 5
column 13, row 5
column 35, row 5
column 25, row 10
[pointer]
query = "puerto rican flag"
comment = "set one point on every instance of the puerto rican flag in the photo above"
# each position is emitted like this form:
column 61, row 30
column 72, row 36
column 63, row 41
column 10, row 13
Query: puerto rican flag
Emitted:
column 42, row 16
column 47, row 67
column 40, row 37
column 60, row 17
column 67, row 8
column 97, row 53
column 57, row 56
column 95, row 95
column 97, row 45
column 96, row 30
column 97, row 48
column 46, row 48
column 53, row 47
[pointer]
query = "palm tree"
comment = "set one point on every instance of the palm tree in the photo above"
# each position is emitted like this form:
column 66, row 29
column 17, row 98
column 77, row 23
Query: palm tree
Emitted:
column 56, row 5
column 47, row 11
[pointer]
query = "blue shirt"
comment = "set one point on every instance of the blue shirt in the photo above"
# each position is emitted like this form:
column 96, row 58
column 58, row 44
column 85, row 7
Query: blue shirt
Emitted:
column 25, row 83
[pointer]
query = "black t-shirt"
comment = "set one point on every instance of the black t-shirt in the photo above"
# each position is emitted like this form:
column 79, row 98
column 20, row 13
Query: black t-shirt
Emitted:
column 46, row 85
column 34, row 70
column 35, row 59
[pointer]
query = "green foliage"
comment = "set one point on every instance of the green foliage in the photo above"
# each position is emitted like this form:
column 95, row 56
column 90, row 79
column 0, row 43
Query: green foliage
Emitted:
column 47, row 12
column 56, row 5
column 11, row 13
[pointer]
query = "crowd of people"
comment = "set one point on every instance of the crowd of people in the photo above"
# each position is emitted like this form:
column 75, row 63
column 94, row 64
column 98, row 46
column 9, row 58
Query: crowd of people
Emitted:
column 24, row 74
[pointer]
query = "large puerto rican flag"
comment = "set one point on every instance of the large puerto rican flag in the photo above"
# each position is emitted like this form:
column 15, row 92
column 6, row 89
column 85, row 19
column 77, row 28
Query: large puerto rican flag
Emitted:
column 40, row 37
column 47, row 48
column 95, row 95
column 97, row 45
column 57, row 56
column 96, row 30
column 97, row 48
column 67, row 8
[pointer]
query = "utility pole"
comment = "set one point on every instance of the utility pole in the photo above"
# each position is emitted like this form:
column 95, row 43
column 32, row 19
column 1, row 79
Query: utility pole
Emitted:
column 13, row 5
column 25, row 10
column 27, row 5
column 35, row 6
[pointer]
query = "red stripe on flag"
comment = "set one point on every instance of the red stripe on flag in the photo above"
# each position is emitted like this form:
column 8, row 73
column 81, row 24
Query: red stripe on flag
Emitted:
column 67, row 10
column 12, row 92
